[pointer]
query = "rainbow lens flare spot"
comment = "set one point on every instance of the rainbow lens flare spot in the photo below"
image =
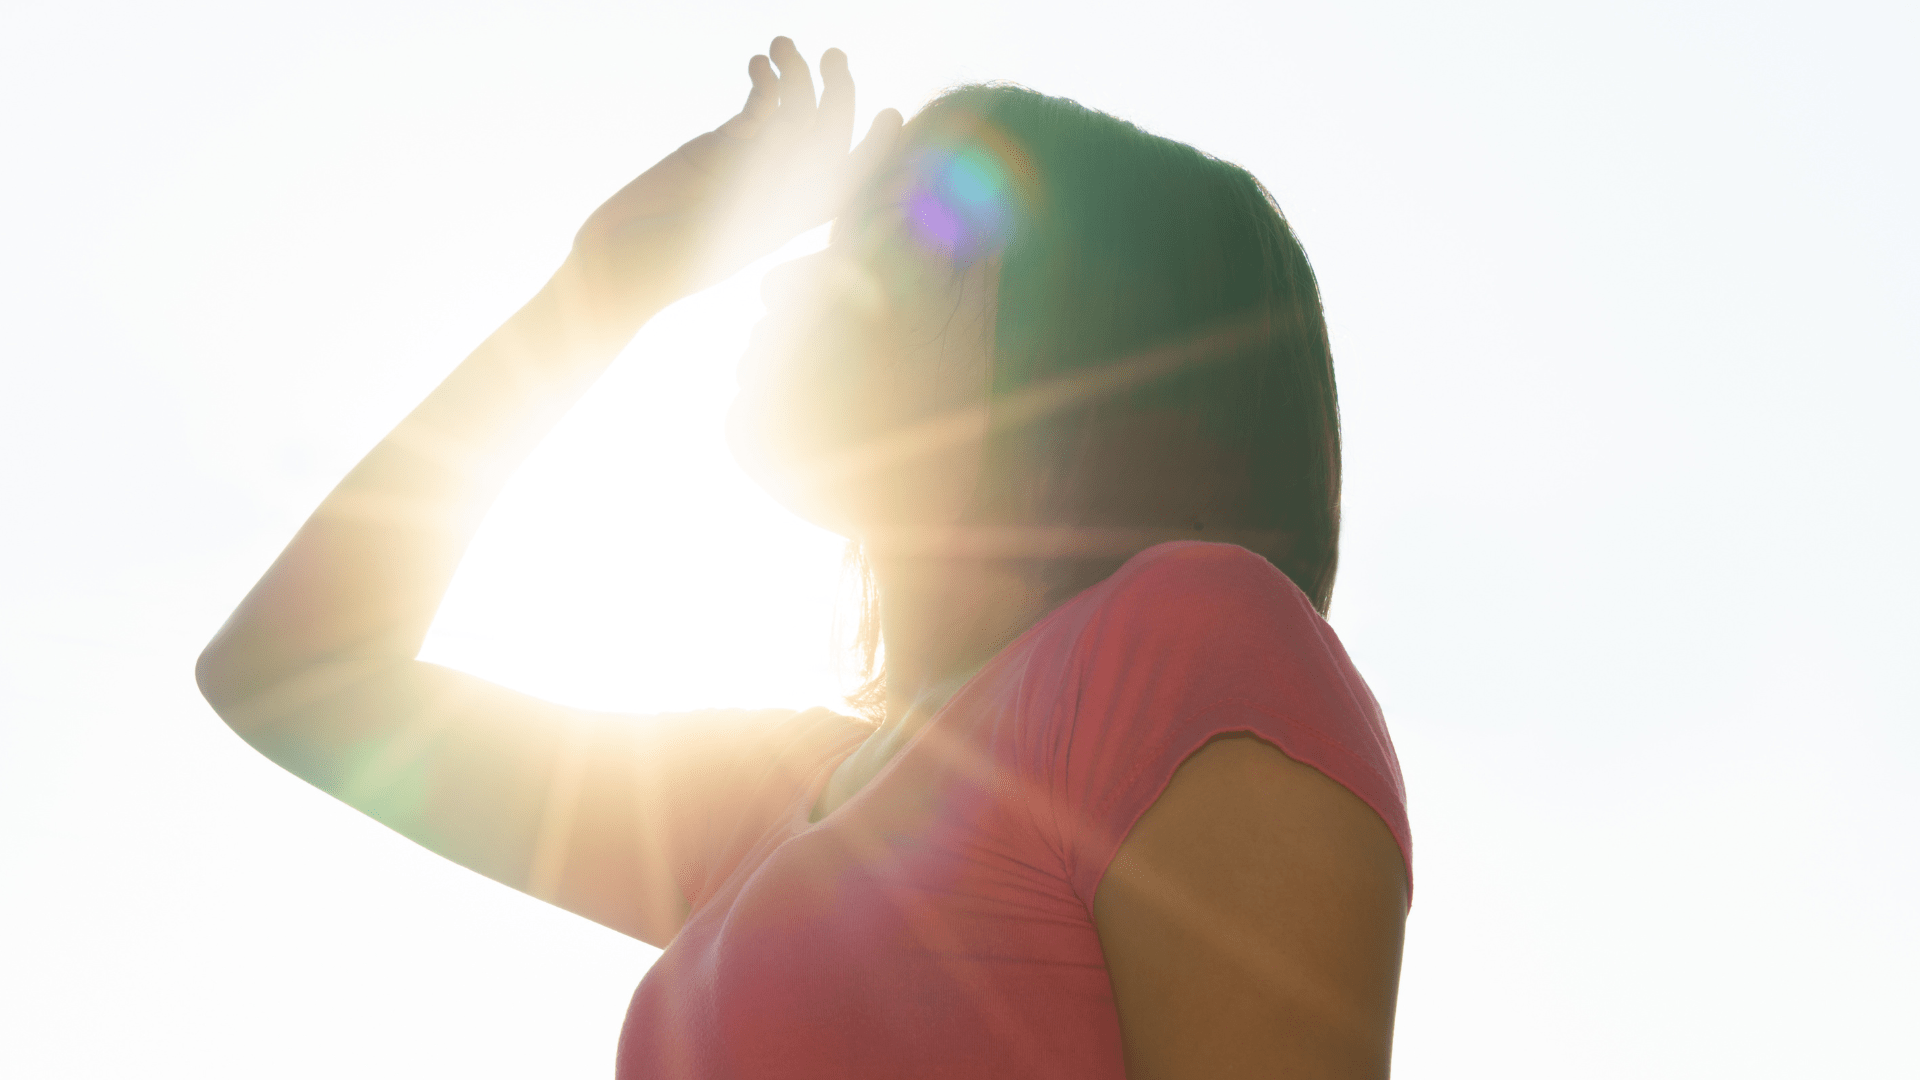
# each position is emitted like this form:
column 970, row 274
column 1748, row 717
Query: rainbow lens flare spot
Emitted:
column 959, row 203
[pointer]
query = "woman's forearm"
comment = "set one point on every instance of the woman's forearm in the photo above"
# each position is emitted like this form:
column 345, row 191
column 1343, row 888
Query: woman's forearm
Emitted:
column 360, row 582
column 363, row 577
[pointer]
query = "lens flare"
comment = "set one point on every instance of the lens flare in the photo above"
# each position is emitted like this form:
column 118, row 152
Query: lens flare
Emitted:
column 976, row 180
column 934, row 221
column 959, row 202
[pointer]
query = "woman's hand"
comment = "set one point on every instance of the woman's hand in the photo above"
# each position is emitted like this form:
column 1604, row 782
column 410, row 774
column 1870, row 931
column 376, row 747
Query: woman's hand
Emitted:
column 778, row 168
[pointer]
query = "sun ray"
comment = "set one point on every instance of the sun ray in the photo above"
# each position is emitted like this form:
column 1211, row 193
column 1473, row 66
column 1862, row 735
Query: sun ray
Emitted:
column 1033, row 403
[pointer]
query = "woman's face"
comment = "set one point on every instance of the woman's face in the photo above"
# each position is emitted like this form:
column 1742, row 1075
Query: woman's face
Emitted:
column 863, row 394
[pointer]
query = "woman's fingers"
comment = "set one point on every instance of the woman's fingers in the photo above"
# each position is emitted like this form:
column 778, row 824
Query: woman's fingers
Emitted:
column 872, row 151
column 834, row 123
column 762, row 101
column 881, row 135
column 796, row 82
column 764, row 98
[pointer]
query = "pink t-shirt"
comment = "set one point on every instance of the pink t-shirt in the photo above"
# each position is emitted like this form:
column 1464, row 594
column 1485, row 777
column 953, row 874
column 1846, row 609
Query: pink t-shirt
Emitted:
column 940, row 922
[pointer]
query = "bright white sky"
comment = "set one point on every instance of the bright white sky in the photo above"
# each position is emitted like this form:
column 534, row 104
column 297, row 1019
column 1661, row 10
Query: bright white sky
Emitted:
column 1621, row 297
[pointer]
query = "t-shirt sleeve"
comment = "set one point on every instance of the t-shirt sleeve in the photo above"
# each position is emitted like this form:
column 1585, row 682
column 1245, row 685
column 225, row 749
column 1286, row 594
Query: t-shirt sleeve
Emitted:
column 1205, row 640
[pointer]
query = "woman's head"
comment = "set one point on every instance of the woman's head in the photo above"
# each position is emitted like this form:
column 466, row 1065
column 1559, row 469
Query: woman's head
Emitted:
column 1043, row 326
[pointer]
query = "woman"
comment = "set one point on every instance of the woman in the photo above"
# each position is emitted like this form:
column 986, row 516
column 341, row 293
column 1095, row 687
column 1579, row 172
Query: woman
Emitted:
column 1119, row 805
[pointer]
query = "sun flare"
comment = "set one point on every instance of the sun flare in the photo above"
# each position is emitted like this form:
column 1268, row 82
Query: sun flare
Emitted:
column 630, row 564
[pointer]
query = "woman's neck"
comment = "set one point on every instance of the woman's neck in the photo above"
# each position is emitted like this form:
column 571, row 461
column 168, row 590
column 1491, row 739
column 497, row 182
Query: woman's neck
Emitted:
column 942, row 619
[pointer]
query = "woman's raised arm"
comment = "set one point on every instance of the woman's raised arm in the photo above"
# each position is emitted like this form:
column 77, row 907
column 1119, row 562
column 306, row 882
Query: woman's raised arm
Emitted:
column 316, row 668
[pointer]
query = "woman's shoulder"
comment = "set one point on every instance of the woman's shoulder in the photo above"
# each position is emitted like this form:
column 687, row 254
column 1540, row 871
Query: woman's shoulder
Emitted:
column 1192, row 641
column 1225, row 618
column 1217, row 614
column 1191, row 584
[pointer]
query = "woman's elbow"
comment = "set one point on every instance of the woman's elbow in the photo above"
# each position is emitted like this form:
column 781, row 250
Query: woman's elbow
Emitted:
column 221, row 677
column 237, row 677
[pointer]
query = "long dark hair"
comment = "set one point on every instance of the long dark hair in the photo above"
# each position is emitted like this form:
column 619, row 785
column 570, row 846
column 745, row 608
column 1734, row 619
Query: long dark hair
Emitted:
column 1139, row 278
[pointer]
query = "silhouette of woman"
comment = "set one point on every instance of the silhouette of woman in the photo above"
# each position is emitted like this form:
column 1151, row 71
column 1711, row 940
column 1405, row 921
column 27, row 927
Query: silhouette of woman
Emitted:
column 1115, row 802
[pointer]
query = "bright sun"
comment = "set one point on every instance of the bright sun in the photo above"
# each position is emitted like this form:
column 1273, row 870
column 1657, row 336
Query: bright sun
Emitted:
column 630, row 565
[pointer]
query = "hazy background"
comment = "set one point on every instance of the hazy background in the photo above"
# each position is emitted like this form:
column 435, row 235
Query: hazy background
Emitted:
column 1621, row 302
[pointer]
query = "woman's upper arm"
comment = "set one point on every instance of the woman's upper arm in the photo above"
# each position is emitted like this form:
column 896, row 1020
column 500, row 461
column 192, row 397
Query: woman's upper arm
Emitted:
column 1252, row 923
column 567, row 805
